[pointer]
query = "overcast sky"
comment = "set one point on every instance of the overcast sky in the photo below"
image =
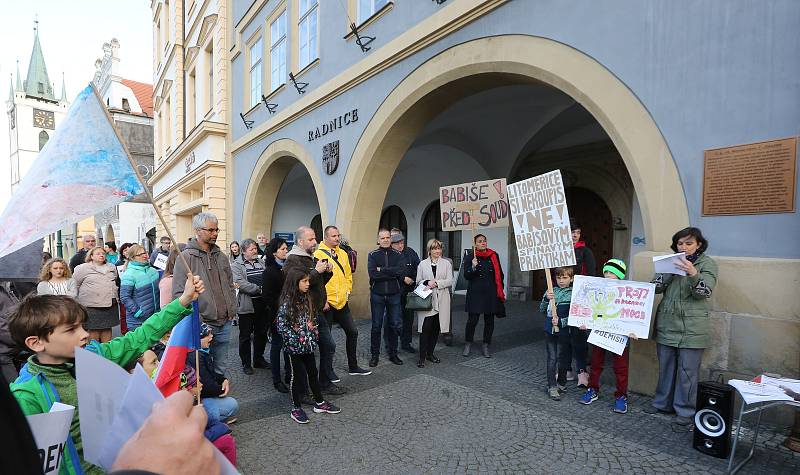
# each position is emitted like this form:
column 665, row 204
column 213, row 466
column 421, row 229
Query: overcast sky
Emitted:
column 72, row 34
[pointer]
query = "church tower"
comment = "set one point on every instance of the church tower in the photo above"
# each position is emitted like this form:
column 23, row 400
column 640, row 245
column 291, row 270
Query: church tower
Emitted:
column 34, row 112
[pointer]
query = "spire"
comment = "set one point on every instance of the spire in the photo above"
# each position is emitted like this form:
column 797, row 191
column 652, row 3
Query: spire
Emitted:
column 63, row 89
column 19, row 81
column 38, row 82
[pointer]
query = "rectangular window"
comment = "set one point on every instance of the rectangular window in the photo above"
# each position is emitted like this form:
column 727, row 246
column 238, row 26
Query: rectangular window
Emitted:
column 277, row 51
column 367, row 8
column 307, row 32
column 256, row 52
column 209, row 60
column 191, row 100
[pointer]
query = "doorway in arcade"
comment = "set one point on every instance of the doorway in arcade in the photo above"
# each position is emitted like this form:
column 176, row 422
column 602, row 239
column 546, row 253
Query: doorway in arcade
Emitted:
column 513, row 131
column 296, row 204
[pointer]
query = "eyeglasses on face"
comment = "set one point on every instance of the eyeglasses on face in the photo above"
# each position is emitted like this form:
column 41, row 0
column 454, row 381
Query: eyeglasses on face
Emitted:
column 211, row 230
column 141, row 254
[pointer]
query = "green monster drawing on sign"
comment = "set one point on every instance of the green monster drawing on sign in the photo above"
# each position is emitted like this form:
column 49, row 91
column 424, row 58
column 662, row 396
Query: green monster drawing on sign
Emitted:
column 602, row 304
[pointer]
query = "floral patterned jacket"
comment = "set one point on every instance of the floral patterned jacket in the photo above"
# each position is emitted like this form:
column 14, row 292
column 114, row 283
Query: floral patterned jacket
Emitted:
column 300, row 338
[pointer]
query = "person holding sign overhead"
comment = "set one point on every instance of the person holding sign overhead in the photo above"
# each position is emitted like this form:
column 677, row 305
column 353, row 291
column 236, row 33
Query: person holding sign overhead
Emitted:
column 682, row 326
column 485, row 294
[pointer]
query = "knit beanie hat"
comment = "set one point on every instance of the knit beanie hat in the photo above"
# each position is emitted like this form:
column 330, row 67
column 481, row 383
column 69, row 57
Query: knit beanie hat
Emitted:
column 616, row 267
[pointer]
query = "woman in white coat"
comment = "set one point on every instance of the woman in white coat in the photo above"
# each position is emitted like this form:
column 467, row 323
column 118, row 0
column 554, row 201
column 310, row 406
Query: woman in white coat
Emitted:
column 437, row 274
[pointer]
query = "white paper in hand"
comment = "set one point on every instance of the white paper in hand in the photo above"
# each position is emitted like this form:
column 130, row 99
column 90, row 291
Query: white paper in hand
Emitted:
column 50, row 431
column 666, row 264
column 101, row 387
column 423, row 291
column 608, row 341
column 161, row 261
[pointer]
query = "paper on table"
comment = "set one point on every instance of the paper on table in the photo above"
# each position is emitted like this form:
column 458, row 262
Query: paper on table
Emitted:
column 666, row 264
column 50, row 432
column 753, row 392
column 423, row 291
column 101, row 387
column 609, row 341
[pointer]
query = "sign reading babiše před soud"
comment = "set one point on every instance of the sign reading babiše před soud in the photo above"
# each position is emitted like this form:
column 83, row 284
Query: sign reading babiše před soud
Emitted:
column 475, row 205
column 539, row 213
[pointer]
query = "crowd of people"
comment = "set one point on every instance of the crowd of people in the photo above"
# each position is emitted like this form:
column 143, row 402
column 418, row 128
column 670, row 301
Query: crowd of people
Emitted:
column 291, row 299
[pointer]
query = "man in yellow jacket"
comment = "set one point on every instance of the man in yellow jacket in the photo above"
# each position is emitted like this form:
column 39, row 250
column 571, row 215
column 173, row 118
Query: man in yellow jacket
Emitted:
column 336, row 309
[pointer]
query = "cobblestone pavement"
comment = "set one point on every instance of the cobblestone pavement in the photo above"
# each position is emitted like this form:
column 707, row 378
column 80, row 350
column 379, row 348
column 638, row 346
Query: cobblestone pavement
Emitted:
column 469, row 415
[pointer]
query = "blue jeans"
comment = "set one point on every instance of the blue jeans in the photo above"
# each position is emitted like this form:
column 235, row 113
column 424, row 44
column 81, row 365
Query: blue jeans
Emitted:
column 390, row 306
column 220, row 408
column 327, row 348
column 219, row 346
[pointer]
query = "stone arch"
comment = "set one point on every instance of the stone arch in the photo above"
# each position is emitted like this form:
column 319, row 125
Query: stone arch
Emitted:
column 490, row 62
column 265, row 183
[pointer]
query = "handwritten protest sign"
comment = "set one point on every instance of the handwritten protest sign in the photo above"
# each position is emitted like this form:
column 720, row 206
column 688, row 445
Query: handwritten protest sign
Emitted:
column 541, row 222
column 616, row 306
column 50, row 432
column 479, row 204
column 609, row 341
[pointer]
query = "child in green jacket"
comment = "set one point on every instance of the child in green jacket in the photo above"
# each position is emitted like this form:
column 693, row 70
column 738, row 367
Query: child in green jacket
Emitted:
column 51, row 326
column 557, row 340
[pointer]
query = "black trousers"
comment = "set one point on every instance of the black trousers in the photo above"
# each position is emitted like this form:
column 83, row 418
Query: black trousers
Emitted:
column 408, row 324
column 488, row 327
column 429, row 336
column 253, row 328
column 304, row 370
column 343, row 317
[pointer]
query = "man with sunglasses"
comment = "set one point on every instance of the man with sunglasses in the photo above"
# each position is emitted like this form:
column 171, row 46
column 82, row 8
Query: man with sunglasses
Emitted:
column 218, row 303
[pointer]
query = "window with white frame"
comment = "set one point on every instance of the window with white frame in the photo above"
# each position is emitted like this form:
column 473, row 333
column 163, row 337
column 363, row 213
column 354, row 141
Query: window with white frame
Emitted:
column 256, row 53
column 277, row 51
column 367, row 8
column 308, row 12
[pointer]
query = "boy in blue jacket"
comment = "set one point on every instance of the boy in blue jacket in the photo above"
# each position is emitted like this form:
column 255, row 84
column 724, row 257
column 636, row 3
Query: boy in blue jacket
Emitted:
column 554, row 326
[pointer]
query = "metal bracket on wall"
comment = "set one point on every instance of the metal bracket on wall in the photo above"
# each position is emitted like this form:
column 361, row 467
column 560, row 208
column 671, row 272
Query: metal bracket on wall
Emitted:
column 361, row 41
column 270, row 106
column 300, row 86
column 247, row 123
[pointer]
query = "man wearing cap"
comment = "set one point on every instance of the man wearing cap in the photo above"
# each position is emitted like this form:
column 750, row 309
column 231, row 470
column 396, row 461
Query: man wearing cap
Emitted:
column 412, row 262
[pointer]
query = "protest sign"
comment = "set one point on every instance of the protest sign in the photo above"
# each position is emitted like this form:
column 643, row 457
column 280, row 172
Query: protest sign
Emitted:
column 608, row 341
column 616, row 306
column 539, row 212
column 50, row 431
column 161, row 261
column 475, row 205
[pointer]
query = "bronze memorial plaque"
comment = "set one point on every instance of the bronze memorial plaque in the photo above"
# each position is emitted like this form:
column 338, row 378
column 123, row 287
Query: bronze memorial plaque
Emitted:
column 750, row 179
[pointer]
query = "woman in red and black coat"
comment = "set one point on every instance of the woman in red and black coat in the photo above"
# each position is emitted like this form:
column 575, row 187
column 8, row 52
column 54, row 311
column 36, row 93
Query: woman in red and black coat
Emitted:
column 485, row 294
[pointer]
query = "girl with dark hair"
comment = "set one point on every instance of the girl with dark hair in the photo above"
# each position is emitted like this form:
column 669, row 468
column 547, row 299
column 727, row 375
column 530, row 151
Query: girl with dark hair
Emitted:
column 235, row 251
column 485, row 294
column 271, row 286
column 682, row 326
column 298, row 326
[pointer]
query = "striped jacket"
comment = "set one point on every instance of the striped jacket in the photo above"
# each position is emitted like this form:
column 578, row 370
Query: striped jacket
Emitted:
column 139, row 292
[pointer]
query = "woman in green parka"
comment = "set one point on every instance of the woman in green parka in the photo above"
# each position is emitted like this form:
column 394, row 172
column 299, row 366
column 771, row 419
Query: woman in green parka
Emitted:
column 682, row 326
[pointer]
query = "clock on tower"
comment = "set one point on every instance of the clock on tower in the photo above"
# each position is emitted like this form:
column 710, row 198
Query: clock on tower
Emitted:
column 44, row 119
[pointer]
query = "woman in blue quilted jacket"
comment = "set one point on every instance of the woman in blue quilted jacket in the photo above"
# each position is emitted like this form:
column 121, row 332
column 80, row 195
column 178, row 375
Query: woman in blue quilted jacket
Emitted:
column 138, row 289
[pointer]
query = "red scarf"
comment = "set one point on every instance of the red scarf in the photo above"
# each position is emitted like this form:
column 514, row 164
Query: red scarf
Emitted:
column 498, row 281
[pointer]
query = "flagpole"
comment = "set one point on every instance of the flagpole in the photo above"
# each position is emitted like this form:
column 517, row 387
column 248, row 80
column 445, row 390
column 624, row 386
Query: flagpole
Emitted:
column 153, row 203
column 139, row 175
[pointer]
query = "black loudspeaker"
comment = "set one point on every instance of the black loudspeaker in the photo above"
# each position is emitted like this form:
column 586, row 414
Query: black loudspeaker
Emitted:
column 712, row 421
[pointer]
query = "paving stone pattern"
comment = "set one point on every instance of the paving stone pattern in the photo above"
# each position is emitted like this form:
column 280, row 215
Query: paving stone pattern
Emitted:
column 469, row 415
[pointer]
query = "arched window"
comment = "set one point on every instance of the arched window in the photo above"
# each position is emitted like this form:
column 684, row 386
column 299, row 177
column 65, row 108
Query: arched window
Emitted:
column 393, row 217
column 43, row 138
column 316, row 225
column 432, row 228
